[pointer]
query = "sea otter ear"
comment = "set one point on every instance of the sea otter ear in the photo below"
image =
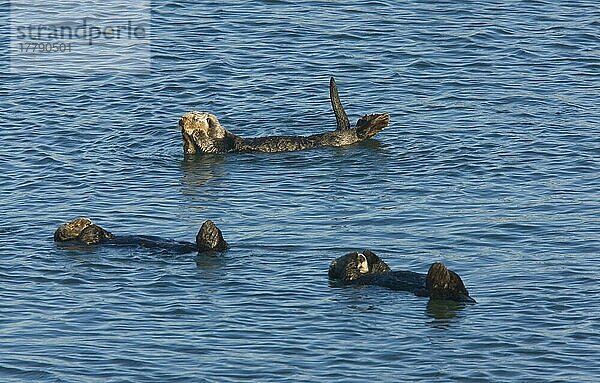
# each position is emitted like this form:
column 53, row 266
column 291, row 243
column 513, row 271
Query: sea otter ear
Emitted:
column 362, row 263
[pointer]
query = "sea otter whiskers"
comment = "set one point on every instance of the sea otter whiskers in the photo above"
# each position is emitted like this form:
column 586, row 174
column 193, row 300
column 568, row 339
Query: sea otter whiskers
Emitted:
column 203, row 133
column 367, row 268
column 82, row 230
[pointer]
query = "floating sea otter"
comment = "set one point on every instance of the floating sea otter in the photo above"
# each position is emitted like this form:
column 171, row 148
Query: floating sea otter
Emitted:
column 203, row 133
column 82, row 230
column 367, row 268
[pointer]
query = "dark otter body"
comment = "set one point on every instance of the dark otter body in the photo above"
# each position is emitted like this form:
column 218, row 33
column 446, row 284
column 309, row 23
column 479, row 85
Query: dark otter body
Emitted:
column 149, row 242
column 397, row 280
column 202, row 132
column 367, row 268
column 82, row 230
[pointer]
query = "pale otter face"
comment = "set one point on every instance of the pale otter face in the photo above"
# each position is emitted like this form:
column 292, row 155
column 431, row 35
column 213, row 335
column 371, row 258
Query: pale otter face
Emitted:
column 352, row 266
column 202, row 132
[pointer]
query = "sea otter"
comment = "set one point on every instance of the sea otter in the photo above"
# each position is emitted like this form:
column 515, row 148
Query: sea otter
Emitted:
column 203, row 133
column 84, row 231
column 367, row 268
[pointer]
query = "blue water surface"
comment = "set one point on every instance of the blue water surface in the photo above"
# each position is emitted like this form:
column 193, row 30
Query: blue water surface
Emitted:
column 490, row 165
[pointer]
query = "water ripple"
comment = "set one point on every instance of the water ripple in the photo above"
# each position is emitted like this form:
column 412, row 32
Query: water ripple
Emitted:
column 490, row 165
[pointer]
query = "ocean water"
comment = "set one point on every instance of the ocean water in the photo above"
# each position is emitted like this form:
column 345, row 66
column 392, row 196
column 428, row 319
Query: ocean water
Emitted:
column 490, row 165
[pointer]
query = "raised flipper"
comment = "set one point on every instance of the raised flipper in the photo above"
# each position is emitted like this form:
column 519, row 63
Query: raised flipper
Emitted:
column 340, row 114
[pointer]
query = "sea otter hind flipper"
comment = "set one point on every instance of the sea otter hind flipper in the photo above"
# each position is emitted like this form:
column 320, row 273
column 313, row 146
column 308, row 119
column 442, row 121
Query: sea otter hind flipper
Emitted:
column 445, row 284
column 371, row 124
column 210, row 238
column 340, row 114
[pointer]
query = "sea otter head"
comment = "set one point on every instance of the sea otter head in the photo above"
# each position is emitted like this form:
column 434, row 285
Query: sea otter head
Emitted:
column 70, row 230
column 210, row 238
column 354, row 265
column 445, row 284
column 370, row 124
column 202, row 132
column 83, row 230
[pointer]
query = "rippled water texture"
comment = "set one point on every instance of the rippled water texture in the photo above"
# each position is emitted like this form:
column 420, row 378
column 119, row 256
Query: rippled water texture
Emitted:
column 490, row 165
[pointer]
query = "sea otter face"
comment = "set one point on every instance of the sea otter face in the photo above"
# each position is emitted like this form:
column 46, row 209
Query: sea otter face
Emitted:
column 202, row 132
column 354, row 265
